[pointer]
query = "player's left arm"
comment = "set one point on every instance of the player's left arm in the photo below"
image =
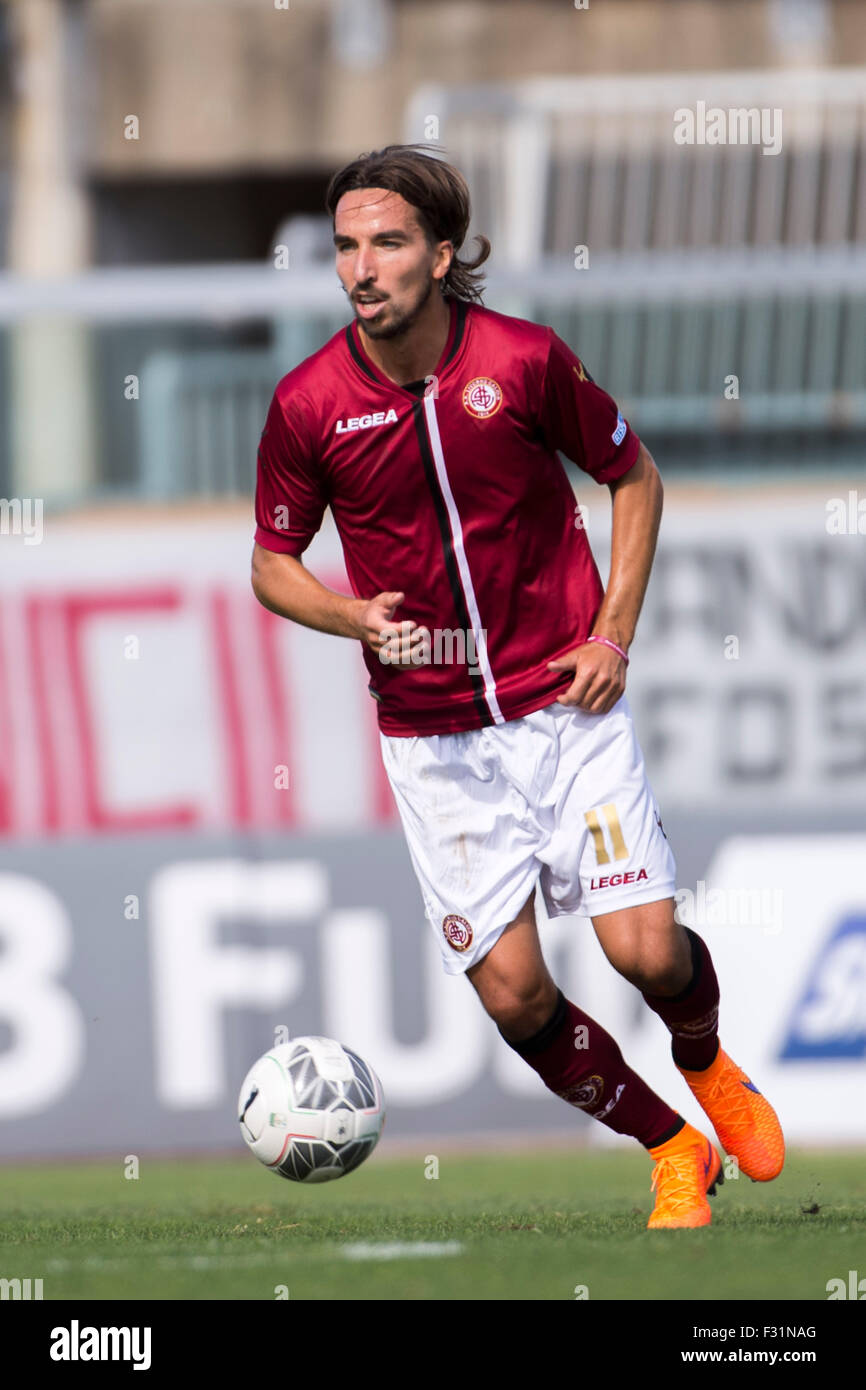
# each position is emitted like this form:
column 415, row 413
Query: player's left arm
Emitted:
column 599, row 673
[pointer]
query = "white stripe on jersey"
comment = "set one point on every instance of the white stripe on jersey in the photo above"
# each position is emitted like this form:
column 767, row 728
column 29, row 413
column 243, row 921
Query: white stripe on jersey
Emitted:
column 478, row 632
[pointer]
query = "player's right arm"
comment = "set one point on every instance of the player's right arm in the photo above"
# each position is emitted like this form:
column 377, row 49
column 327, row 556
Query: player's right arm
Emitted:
column 284, row 586
column 291, row 498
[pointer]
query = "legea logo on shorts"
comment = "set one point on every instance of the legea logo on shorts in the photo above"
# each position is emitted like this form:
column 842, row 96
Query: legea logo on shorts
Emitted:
column 458, row 932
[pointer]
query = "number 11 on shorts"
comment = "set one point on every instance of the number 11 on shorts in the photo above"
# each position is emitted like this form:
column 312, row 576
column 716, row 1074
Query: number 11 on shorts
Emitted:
column 614, row 828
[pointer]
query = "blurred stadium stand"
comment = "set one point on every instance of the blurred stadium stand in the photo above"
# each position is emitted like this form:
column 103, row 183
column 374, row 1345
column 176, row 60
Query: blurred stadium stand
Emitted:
column 747, row 257
column 698, row 268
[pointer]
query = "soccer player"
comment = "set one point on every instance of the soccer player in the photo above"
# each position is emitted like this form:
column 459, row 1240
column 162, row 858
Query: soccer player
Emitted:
column 430, row 426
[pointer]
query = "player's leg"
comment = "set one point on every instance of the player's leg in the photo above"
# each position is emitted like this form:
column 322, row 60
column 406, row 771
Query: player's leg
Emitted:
column 672, row 967
column 580, row 1062
column 476, row 838
column 609, row 858
column 647, row 945
column 513, row 981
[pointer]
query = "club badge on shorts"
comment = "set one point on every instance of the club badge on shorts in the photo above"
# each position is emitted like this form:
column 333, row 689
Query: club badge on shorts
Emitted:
column 458, row 932
column 482, row 397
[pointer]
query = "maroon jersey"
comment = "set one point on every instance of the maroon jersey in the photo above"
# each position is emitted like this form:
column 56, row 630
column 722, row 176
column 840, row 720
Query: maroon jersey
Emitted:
column 455, row 496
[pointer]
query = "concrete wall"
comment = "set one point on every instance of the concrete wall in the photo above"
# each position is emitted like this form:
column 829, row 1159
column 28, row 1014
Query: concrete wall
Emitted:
column 229, row 84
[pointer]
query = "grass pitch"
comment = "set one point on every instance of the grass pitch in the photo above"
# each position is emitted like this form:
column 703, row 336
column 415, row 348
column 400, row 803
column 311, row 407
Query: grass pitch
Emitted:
column 495, row 1226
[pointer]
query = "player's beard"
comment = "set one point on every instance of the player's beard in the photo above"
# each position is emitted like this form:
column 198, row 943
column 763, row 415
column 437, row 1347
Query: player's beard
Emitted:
column 401, row 322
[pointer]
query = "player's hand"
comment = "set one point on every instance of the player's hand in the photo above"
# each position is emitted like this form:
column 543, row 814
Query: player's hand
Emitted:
column 396, row 644
column 599, row 677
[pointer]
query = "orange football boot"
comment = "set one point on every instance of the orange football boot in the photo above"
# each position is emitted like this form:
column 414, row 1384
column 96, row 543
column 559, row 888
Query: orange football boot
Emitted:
column 687, row 1171
column 744, row 1120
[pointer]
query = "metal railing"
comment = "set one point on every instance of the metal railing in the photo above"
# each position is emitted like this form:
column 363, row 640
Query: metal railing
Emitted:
column 749, row 359
column 666, row 336
column 724, row 293
column 559, row 162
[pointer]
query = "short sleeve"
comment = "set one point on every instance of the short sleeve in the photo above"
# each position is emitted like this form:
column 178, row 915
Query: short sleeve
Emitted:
column 581, row 420
column 290, row 495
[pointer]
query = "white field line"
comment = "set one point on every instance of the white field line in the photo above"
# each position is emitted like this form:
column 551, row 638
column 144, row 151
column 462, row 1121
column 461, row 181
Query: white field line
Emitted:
column 395, row 1250
column 107, row 1262
column 402, row 1250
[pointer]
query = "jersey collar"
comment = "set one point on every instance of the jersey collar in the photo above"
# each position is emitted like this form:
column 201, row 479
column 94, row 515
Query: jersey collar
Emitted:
column 456, row 333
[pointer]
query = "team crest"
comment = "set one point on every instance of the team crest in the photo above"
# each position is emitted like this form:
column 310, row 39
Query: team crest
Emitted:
column 482, row 397
column 586, row 1095
column 458, row 932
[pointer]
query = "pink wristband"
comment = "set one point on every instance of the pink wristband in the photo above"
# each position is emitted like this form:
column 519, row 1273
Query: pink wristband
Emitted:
column 607, row 642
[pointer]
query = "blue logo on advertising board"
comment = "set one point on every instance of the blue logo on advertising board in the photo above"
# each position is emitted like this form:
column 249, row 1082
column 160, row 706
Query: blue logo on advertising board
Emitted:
column 829, row 1019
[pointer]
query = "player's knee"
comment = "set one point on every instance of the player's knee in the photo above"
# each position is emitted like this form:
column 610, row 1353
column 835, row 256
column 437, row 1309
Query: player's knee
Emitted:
column 660, row 967
column 520, row 1008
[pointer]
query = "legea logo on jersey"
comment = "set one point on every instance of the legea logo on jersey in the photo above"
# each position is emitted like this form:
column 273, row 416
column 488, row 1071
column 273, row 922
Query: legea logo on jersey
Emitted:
column 482, row 397
column 367, row 422
column 829, row 1018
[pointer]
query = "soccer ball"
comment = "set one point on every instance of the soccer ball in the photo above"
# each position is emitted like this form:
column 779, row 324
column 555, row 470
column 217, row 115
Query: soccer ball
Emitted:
column 311, row 1110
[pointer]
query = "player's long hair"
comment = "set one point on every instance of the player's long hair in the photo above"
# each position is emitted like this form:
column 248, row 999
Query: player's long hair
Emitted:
column 439, row 194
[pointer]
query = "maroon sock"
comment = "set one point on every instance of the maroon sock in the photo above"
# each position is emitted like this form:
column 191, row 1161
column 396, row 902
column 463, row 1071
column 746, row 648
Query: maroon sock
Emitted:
column 693, row 1016
column 582, row 1064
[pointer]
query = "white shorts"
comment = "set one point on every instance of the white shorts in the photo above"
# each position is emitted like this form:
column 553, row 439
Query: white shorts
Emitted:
column 560, row 796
